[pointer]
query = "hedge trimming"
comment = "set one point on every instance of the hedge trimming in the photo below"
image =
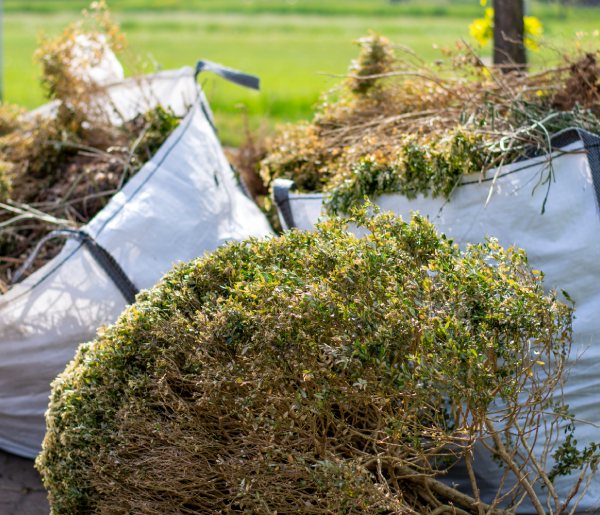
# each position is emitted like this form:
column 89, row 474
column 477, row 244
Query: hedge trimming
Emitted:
column 314, row 372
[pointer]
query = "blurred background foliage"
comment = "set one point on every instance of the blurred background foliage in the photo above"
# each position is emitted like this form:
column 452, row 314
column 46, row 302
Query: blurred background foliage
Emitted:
column 297, row 47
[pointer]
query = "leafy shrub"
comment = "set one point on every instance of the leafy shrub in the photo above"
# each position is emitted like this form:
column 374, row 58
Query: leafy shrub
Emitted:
column 434, row 168
column 315, row 372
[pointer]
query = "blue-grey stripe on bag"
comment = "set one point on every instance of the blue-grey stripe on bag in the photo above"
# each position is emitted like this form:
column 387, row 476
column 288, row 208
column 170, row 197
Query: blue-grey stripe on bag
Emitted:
column 102, row 257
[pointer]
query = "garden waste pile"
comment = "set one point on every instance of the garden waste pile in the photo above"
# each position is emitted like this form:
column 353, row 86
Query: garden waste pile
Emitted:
column 368, row 365
column 397, row 124
column 479, row 153
column 133, row 188
column 60, row 165
column 318, row 372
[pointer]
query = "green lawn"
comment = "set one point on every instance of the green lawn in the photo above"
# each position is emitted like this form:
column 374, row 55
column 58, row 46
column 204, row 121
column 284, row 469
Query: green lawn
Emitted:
column 321, row 7
column 294, row 46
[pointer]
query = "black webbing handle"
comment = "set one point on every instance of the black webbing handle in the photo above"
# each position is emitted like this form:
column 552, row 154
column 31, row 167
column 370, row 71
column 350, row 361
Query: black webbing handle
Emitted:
column 281, row 196
column 111, row 267
column 100, row 255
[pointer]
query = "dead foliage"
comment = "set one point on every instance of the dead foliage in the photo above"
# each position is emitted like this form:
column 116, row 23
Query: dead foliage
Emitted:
column 399, row 124
column 58, row 169
column 246, row 159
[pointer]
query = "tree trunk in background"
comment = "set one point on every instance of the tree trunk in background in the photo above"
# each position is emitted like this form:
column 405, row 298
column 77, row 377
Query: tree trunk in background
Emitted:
column 509, row 50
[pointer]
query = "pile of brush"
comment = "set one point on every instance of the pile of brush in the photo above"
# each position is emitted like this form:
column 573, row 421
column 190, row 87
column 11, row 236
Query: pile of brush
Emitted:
column 398, row 124
column 60, row 167
column 320, row 372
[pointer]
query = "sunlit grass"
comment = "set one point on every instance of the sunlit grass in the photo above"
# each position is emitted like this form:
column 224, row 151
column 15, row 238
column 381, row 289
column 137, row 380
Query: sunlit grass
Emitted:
column 295, row 55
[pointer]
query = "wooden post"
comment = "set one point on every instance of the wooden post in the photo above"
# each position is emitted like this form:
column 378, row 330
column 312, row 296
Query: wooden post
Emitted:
column 509, row 49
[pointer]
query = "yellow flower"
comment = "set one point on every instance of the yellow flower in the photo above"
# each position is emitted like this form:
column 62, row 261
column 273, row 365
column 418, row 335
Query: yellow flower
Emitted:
column 483, row 3
column 482, row 29
column 533, row 31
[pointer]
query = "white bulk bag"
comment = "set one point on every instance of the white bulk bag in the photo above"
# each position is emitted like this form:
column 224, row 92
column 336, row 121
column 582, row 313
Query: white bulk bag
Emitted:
column 563, row 242
column 93, row 60
column 183, row 202
column 122, row 100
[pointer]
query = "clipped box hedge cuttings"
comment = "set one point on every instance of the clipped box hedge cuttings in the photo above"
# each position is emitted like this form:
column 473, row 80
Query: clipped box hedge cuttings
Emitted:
column 317, row 372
